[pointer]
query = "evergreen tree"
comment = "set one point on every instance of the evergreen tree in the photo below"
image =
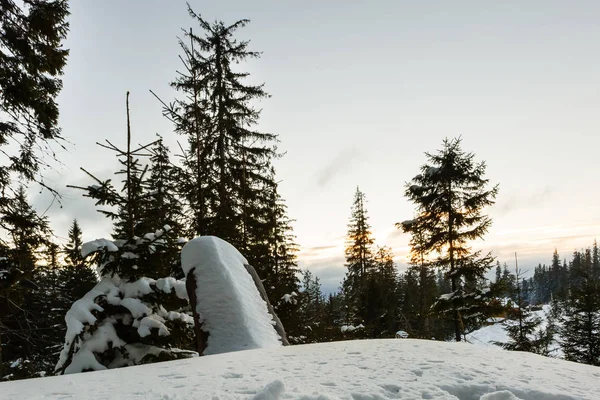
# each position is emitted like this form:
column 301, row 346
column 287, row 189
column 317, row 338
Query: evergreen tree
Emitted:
column 280, row 268
column 77, row 277
column 359, row 260
column 420, row 280
column 20, row 283
column 31, row 63
column 160, row 209
column 509, row 283
column 227, row 178
column 498, row 272
column 450, row 194
column 227, row 170
column 72, row 249
column 141, row 311
column 581, row 322
column 385, row 302
column 311, row 311
column 524, row 329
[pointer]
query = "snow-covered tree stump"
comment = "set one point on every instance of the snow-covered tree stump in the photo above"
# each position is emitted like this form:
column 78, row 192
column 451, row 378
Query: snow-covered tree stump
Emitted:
column 231, row 309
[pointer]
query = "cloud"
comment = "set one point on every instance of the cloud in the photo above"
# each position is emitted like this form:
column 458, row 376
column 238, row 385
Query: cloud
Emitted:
column 338, row 165
column 519, row 200
column 316, row 251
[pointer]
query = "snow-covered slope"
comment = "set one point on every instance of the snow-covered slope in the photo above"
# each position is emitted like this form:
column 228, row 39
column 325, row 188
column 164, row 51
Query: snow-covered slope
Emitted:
column 358, row 370
column 488, row 335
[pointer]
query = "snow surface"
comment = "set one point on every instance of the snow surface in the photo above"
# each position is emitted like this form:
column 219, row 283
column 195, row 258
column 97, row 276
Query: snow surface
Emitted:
column 488, row 335
column 118, row 293
column 353, row 370
column 95, row 245
column 229, row 303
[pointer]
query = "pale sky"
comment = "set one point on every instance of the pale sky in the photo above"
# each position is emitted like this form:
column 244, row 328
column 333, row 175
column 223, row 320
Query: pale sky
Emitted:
column 360, row 90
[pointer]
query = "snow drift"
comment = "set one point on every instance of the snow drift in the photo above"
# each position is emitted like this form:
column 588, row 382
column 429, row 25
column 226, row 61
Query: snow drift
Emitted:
column 228, row 303
column 355, row 370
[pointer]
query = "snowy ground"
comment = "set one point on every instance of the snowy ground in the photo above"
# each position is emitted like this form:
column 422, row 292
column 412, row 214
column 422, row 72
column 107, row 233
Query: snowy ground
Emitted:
column 357, row 370
column 487, row 335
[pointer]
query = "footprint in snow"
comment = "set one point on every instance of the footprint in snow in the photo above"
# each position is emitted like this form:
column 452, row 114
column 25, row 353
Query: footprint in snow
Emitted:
column 231, row 375
column 394, row 389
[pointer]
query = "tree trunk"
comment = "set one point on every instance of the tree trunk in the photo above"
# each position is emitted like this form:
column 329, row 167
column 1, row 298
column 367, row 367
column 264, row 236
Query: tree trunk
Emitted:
column 201, row 336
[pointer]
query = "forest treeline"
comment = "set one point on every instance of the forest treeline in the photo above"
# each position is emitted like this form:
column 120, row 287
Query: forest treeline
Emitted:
column 223, row 182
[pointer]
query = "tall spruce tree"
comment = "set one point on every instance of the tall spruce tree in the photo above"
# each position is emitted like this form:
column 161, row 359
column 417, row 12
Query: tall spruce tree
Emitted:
column 31, row 63
column 450, row 194
column 359, row 260
column 227, row 173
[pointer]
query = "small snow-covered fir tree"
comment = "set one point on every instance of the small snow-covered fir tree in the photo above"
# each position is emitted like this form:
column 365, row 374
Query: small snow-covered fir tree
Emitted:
column 139, row 311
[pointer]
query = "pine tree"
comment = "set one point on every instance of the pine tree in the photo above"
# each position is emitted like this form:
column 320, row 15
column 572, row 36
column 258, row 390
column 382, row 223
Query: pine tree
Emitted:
column 227, row 172
column 161, row 207
column 384, row 296
column 450, row 194
column 31, row 63
column 72, row 249
column 279, row 268
column 141, row 313
column 20, row 283
column 311, row 311
column 581, row 322
column 524, row 329
column 420, row 280
column 77, row 277
column 359, row 260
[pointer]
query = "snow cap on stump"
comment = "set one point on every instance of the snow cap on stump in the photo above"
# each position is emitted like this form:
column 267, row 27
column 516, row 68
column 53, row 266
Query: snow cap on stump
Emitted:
column 229, row 304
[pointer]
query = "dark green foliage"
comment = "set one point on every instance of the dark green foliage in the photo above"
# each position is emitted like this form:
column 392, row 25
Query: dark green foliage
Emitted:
column 523, row 328
column 581, row 321
column 125, row 306
column 28, row 290
column 161, row 211
column 145, row 251
column 311, row 312
column 420, row 285
column 227, row 179
column 419, row 293
column 450, row 194
column 359, row 261
column 369, row 289
column 31, row 63
column 278, row 266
